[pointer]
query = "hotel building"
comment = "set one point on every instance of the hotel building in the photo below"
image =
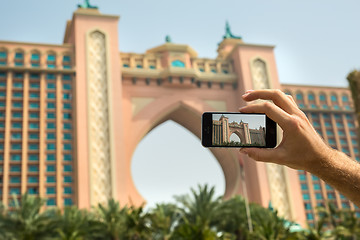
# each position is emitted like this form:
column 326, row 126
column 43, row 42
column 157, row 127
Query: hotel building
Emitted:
column 72, row 114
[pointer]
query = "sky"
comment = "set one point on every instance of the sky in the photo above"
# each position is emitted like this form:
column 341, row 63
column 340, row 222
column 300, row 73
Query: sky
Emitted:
column 316, row 43
column 255, row 121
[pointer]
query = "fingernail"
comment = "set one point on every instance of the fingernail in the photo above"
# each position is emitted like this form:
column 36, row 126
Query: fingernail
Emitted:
column 247, row 93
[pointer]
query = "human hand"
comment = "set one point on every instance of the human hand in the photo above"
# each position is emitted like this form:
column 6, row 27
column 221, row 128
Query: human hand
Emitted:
column 301, row 146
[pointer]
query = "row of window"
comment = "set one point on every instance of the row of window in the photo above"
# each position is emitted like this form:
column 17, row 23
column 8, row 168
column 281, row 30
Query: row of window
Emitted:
column 34, row 126
column 325, row 106
column 35, row 168
column 35, row 136
column 35, row 157
column 35, row 179
column 66, row 96
column 35, row 146
column 35, row 60
column 299, row 96
column 36, row 76
column 49, row 190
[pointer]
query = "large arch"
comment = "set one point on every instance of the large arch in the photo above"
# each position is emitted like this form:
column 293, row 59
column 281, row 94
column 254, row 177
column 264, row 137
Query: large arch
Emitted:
column 187, row 114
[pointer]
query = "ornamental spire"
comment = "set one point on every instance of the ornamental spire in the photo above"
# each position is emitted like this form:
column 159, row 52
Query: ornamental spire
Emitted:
column 87, row 5
column 228, row 33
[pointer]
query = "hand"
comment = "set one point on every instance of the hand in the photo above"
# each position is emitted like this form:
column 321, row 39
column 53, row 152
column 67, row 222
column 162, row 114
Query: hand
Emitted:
column 301, row 146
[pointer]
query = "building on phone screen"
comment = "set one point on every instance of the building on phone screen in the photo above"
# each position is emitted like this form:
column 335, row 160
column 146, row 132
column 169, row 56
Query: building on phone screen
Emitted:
column 72, row 114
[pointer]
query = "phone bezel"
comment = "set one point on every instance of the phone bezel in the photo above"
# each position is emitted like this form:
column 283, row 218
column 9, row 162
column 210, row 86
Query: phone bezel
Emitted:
column 206, row 130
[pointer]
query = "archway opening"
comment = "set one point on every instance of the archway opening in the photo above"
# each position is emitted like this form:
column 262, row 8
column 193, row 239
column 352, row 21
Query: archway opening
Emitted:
column 169, row 161
column 234, row 137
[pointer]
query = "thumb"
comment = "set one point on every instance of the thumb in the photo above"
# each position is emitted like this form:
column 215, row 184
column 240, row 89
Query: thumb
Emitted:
column 259, row 154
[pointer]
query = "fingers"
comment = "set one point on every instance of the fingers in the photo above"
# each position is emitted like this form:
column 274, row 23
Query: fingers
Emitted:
column 278, row 97
column 272, row 111
column 261, row 154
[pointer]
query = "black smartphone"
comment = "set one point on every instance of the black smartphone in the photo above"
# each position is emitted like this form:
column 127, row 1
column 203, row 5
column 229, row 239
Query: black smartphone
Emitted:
column 229, row 129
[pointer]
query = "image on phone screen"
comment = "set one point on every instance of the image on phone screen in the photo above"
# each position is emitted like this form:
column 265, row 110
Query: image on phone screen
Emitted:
column 238, row 130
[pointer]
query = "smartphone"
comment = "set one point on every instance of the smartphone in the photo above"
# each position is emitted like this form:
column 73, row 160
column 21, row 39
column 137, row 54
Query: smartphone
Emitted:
column 229, row 129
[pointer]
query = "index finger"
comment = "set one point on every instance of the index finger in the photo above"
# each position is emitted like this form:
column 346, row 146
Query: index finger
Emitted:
column 277, row 96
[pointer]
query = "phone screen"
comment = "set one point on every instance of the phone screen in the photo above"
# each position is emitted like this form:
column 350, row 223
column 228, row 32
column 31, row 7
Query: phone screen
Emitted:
column 238, row 130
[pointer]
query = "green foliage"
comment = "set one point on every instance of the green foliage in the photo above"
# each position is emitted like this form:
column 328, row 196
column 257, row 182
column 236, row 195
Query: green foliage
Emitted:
column 199, row 215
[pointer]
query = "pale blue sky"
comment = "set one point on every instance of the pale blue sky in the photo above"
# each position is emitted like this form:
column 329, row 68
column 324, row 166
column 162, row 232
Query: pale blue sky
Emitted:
column 317, row 42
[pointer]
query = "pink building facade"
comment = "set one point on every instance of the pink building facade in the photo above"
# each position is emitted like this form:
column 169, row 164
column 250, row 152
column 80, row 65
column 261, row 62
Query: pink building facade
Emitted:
column 95, row 104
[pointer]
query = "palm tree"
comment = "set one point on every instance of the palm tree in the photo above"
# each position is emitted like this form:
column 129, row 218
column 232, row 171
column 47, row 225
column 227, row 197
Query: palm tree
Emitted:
column 164, row 218
column 269, row 226
column 235, row 218
column 137, row 224
column 200, row 213
column 25, row 221
column 75, row 224
column 112, row 219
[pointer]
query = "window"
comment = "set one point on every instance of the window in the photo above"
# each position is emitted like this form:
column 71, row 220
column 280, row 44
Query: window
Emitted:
column 16, row 136
column 15, row 168
column 306, row 196
column 14, row 146
column 67, row 126
column 50, row 168
column 19, row 56
column 67, row 86
column 51, row 66
column 309, row 216
column 51, row 115
column 50, row 157
column 67, row 115
column 33, row 157
column 17, row 94
column 67, row 106
column 299, row 96
column 51, row 202
column 68, row 202
column 34, row 85
column 304, row 186
column 302, row 177
column 34, row 95
column 314, row 178
column 67, row 190
column 33, row 168
column 15, row 179
column 51, row 105
column 51, row 57
column 17, row 104
column 67, row 147
column 67, row 179
column 50, row 179
column 50, row 190
column 307, row 206
column 333, row 98
column 51, row 146
column 311, row 97
column 34, row 76
column 18, row 85
column 33, row 136
column 51, row 86
column 35, row 57
column 51, row 125
column 16, row 125
column 33, row 191
column 67, row 136
column 317, row 186
column 50, row 136
column 66, row 96
column 51, row 95
column 34, row 115
column 33, row 125
column 66, row 59
column 352, row 133
column 66, row 77
column 33, row 146
column 67, row 168
column 15, row 157
column 3, row 54
column 67, row 157
column 33, row 179
column 328, row 187
column 345, row 98
column 15, row 191
column 341, row 133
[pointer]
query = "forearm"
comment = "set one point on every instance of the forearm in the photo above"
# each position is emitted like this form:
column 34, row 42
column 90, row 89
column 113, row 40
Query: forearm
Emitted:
column 341, row 172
